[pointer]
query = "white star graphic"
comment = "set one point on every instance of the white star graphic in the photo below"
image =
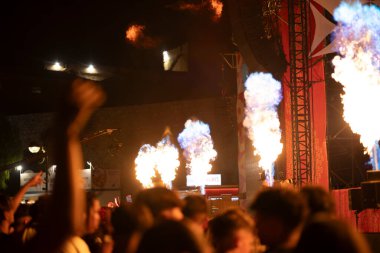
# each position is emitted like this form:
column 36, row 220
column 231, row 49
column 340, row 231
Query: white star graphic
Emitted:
column 323, row 26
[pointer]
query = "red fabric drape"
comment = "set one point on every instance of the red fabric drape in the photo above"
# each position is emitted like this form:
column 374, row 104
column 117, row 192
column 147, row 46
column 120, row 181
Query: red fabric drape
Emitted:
column 368, row 220
column 317, row 106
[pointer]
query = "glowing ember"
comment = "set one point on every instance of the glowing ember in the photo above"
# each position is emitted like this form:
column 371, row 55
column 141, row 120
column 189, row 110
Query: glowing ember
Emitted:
column 145, row 165
column 134, row 32
column 217, row 7
column 161, row 160
column 199, row 151
column 262, row 95
column 189, row 6
column 357, row 69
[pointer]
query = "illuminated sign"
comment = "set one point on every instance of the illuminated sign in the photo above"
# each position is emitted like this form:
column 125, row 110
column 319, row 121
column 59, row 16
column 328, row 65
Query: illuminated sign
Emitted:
column 211, row 179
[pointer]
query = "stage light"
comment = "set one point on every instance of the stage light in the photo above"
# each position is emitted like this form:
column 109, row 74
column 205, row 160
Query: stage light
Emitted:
column 90, row 69
column 166, row 56
column 56, row 67
column 166, row 60
column 19, row 168
column 34, row 149
column 175, row 59
column 90, row 165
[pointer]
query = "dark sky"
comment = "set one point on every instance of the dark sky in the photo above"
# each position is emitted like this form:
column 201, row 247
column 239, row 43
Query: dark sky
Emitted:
column 80, row 32
column 94, row 30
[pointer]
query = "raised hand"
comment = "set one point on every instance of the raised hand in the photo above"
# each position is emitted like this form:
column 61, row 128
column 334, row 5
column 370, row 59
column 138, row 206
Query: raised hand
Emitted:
column 36, row 180
column 85, row 97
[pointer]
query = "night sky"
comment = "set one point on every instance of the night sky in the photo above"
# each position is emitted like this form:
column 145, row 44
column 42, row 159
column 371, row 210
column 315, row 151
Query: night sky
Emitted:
column 80, row 32
column 84, row 30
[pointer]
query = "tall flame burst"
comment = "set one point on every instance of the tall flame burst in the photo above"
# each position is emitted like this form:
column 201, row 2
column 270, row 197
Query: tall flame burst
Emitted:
column 262, row 96
column 167, row 162
column 161, row 160
column 199, row 150
column 357, row 69
column 145, row 165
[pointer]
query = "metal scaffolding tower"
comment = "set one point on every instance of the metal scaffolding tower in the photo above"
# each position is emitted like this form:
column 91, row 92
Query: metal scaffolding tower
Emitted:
column 298, row 11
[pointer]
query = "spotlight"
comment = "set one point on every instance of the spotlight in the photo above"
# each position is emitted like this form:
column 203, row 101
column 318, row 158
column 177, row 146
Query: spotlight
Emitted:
column 166, row 60
column 90, row 69
column 56, row 67
column 166, row 56
column 34, row 149
column 19, row 168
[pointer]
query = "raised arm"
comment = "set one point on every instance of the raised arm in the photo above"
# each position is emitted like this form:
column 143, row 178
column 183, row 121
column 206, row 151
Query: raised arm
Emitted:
column 16, row 200
column 66, row 214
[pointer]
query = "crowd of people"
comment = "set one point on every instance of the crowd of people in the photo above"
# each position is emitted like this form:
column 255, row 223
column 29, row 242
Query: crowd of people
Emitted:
column 278, row 219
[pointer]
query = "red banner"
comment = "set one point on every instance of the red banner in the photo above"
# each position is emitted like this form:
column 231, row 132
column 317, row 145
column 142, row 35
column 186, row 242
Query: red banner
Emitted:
column 317, row 107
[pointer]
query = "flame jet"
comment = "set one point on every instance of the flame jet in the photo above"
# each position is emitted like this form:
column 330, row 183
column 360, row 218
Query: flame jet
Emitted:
column 357, row 69
column 198, row 149
column 262, row 96
column 159, row 161
column 145, row 165
column 167, row 162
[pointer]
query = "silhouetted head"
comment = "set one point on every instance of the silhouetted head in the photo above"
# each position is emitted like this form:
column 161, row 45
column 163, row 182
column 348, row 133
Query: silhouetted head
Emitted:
column 231, row 230
column 318, row 200
column 195, row 209
column 325, row 234
column 169, row 236
column 128, row 224
column 277, row 212
column 161, row 202
column 92, row 213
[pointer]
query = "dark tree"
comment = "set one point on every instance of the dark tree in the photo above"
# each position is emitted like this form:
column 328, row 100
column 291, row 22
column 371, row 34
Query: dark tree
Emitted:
column 10, row 149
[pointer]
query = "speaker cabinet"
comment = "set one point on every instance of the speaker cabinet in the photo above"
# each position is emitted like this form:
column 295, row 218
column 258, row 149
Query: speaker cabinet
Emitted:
column 355, row 199
column 373, row 175
column 371, row 194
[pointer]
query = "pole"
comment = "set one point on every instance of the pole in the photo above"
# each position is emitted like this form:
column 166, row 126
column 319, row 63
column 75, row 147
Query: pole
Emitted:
column 47, row 175
column 376, row 162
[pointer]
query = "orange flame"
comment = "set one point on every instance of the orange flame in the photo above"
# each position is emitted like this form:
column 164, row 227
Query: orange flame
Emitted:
column 157, row 162
column 135, row 35
column 217, row 7
column 134, row 32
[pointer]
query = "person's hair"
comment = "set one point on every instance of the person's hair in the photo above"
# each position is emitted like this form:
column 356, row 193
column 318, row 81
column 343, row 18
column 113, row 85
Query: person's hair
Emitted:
column 5, row 205
column 22, row 211
column 90, row 198
column 157, row 199
column 193, row 205
column 39, row 209
column 318, row 200
column 126, row 221
column 326, row 234
column 170, row 236
column 283, row 203
column 223, row 227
